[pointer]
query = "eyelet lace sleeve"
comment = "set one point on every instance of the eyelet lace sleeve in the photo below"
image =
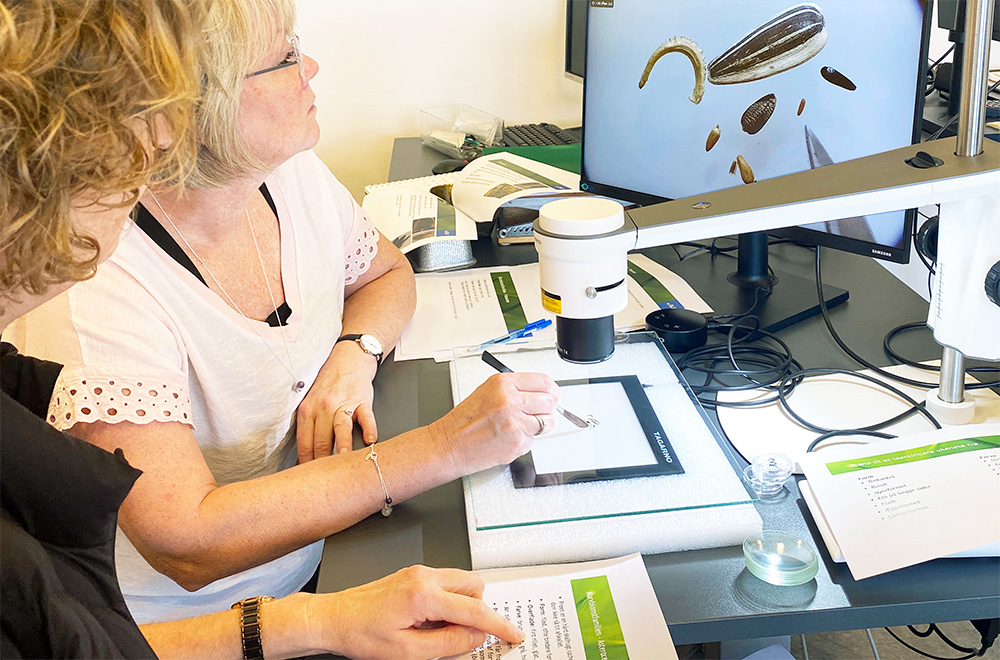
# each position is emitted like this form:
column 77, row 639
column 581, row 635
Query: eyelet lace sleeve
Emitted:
column 359, row 256
column 113, row 400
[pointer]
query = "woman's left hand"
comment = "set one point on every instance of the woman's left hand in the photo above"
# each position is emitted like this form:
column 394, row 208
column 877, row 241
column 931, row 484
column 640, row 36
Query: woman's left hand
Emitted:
column 341, row 396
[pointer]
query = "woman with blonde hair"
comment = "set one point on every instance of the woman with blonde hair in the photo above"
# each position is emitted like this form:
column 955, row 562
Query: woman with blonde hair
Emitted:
column 229, row 346
column 96, row 98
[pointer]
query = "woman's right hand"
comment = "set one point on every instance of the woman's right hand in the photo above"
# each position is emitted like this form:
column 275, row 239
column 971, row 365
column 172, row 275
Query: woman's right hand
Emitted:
column 414, row 614
column 498, row 422
column 417, row 612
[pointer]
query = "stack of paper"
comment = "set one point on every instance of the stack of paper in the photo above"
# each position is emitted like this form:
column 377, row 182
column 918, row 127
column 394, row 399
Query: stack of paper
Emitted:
column 895, row 503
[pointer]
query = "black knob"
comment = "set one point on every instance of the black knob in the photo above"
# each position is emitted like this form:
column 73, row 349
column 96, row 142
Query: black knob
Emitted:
column 993, row 284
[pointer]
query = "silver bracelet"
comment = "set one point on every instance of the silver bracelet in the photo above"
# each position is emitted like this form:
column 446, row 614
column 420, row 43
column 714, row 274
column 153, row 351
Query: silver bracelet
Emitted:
column 373, row 457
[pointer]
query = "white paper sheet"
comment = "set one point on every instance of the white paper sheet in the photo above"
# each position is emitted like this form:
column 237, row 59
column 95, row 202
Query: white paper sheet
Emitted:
column 618, row 441
column 463, row 308
column 577, row 611
column 896, row 503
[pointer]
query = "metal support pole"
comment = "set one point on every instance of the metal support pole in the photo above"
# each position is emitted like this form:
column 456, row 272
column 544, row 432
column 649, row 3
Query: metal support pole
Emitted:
column 952, row 379
column 971, row 123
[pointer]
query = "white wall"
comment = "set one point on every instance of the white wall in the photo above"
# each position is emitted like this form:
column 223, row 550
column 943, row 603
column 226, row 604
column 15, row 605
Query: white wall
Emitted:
column 383, row 60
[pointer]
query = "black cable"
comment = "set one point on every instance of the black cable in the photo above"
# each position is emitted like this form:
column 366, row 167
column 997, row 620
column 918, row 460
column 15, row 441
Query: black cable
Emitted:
column 932, row 72
column 928, row 265
column 833, row 434
column 915, row 406
column 743, row 361
column 972, row 653
column 714, row 249
column 857, row 358
column 932, row 628
column 954, row 118
column 758, row 365
column 920, row 325
column 940, row 59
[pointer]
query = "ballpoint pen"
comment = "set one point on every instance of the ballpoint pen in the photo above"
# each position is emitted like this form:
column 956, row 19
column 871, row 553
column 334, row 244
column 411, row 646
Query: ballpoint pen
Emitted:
column 491, row 360
column 520, row 333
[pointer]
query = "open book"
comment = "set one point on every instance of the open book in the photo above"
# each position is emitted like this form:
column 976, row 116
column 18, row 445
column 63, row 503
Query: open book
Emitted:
column 416, row 212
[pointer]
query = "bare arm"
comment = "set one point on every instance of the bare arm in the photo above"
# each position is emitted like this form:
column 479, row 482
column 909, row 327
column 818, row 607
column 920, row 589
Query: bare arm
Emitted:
column 382, row 619
column 380, row 303
column 195, row 532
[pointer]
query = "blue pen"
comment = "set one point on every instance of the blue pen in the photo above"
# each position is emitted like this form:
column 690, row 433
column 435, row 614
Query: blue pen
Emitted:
column 520, row 333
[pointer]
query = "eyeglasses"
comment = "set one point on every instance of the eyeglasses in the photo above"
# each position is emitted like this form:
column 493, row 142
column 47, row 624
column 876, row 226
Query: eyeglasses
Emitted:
column 294, row 57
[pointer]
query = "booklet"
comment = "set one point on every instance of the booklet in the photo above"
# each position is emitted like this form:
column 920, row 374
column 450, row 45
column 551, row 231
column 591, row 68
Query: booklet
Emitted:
column 895, row 503
column 415, row 212
column 586, row 611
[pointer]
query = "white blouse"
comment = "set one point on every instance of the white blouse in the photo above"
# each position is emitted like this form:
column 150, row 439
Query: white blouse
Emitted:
column 145, row 340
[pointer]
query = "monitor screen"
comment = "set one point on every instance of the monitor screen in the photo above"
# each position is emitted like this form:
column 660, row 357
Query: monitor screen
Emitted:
column 951, row 16
column 576, row 37
column 786, row 87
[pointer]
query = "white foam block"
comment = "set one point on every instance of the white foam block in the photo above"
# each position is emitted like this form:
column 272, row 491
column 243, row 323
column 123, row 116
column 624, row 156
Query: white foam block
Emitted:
column 707, row 506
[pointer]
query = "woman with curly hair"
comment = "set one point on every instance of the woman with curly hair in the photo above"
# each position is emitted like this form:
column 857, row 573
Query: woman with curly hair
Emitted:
column 96, row 99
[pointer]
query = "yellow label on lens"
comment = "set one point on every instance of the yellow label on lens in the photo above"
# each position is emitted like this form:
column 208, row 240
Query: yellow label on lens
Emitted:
column 551, row 302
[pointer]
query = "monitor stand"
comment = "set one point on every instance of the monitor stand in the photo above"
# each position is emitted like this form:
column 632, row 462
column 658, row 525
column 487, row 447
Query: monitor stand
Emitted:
column 792, row 298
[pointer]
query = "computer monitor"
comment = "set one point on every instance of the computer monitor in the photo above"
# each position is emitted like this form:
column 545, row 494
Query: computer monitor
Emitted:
column 789, row 87
column 941, row 112
column 951, row 16
column 576, row 38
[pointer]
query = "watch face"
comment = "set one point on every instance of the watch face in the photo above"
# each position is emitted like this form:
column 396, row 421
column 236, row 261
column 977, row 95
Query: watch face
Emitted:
column 370, row 344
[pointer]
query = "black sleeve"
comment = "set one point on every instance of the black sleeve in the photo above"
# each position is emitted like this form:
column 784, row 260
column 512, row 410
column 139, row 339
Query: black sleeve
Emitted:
column 27, row 380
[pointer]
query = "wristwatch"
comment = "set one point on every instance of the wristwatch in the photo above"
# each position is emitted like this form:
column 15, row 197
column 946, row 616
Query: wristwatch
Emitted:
column 368, row 343
column 253, row 646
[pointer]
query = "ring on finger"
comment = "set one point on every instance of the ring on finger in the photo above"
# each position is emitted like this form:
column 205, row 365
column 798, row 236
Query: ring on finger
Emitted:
column 541, row 425
column 349, row 412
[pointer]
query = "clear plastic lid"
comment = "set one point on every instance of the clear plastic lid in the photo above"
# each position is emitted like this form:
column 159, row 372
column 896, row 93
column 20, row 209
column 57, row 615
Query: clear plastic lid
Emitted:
column 780, row 558
column 767, row 474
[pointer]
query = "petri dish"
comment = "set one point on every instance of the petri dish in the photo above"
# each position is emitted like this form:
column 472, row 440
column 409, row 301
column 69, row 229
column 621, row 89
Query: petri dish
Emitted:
column 780, row 558
column 767, row 474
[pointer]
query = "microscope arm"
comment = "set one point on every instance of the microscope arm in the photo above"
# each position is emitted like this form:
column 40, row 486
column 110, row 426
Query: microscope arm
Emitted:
column 968, row 189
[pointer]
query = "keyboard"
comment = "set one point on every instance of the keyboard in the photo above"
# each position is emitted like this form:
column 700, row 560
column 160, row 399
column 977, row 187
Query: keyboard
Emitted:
column 533, row 135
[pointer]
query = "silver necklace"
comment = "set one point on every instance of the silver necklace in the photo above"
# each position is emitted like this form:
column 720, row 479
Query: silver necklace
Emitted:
column 298, row 385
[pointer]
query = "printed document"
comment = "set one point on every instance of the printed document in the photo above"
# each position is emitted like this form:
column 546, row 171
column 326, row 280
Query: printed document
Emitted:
column 895, row 503
column 588, row 611
column 466, row 308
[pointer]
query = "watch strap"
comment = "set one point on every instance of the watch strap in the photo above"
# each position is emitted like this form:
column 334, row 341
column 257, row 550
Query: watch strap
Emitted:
column 356, row 338
column 253, row 645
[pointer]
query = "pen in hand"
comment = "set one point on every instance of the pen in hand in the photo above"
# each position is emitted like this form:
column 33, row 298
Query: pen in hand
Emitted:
column 491, row 360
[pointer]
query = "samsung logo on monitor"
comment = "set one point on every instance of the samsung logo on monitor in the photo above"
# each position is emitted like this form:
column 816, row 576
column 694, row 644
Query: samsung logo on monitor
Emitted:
column 881, row 253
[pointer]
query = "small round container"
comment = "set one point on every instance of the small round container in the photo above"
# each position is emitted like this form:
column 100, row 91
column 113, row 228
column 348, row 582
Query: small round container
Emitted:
column 780, row 559
column 767, row 474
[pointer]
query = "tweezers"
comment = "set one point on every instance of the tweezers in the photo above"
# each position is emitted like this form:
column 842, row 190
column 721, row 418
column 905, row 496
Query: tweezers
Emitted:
column 491, row 360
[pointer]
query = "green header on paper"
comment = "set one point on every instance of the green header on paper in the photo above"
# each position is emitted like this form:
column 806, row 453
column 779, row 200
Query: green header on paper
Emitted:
column 510, row 303
column 653, row 287
column 936, row 450
column 599, row 625
column 446, row 225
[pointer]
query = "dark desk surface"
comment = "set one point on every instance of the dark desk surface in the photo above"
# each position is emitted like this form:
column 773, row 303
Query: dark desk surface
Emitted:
column 706, row 595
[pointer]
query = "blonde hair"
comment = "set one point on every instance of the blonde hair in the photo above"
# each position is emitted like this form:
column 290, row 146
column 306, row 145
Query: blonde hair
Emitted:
column 81, row 84
column 238, row 36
